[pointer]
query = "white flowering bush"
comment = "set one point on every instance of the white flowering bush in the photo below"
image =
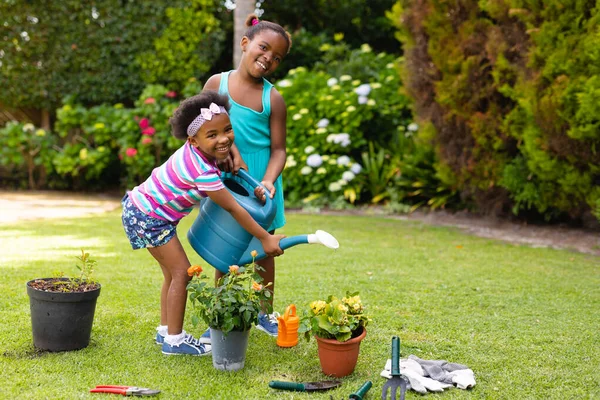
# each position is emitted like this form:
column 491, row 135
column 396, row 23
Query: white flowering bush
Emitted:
column 330, row 119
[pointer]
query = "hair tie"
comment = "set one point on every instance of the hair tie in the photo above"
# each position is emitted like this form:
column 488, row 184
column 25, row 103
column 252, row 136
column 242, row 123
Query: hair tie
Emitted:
column 206, row 114
column 255, row 21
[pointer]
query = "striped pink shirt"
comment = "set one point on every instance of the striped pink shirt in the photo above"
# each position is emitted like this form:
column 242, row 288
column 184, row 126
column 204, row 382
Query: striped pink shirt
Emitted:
column 174, row 188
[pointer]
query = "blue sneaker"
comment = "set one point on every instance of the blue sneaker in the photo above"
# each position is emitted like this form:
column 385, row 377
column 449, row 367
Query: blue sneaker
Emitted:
column 160, row 339
column 268, row 323
column 189, row 346
column 205, row 338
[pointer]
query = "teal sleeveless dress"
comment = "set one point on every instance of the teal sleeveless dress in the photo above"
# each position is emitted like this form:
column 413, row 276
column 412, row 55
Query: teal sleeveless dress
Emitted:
column 253, row 139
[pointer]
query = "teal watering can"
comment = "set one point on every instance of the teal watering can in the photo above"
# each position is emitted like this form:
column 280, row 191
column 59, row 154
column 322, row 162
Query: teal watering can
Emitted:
column 221, row 241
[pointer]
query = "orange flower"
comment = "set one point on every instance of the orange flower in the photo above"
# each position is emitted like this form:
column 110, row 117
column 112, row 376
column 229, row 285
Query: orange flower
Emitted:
column 233, row 269
column 254, row 253
column 256, row 286
column 194, row 270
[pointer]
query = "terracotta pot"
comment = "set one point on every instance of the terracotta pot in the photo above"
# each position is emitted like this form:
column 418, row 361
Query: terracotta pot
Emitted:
column 339, row 358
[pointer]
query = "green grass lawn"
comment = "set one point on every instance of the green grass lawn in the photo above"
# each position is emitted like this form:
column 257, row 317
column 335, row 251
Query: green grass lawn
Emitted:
column 526, row 320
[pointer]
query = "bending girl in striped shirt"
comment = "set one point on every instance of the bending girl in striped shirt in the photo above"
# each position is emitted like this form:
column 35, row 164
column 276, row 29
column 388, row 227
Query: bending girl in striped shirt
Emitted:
column 152, row 210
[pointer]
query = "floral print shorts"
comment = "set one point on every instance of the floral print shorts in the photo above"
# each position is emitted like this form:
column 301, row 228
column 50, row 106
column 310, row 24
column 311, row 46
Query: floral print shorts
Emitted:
column 142, row 230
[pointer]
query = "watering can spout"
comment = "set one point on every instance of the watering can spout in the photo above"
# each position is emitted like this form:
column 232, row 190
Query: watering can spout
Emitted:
column 319, row 237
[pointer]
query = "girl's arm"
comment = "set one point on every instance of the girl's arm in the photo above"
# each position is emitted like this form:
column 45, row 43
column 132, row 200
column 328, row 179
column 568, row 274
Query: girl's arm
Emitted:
column 278, row 135
column 269, row 242
column 234, row 162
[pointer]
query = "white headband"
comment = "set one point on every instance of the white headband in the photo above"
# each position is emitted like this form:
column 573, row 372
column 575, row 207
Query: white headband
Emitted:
column 206, row 114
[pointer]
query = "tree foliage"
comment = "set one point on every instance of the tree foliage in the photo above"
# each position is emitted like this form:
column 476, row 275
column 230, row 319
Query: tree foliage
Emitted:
column 102, row 52
column 510, row 89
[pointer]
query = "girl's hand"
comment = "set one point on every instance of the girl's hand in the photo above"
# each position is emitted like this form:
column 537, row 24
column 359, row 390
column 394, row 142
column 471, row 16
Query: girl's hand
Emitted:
column 226, row 165
column 271, row 245
column 270, row 187
column 259, row 192
column 238, row 163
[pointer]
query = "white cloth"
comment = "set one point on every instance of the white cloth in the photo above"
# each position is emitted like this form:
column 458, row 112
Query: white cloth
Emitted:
column 432, row 375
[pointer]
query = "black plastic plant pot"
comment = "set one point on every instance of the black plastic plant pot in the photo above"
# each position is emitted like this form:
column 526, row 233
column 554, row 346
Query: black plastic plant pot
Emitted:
column 61, row 321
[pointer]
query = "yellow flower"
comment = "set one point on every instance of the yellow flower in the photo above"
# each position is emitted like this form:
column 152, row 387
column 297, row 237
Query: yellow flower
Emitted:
column 254, row 253
column 303, row 111
column 233, row 269
column 83, row 153
column 338, row 37
column 256, row 286
column 342, row 308
column 40, row 132
column 318, row 306
column 98, row 125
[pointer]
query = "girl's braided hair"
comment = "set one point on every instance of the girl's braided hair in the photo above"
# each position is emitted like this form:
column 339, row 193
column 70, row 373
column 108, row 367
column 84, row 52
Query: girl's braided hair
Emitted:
column 256, row 26
column 189, row 109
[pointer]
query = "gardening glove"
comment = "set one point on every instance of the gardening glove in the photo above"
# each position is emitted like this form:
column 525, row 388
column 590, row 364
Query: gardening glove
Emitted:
column 415, row 375
column 447, row 372
column 463, row 378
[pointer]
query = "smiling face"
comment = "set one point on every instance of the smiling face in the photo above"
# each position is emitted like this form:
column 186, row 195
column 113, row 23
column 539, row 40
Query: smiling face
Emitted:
column 214, row 138
column 263, row 54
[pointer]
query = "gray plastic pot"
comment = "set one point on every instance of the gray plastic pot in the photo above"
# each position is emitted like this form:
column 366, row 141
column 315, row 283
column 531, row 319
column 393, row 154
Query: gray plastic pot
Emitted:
column 229, row 350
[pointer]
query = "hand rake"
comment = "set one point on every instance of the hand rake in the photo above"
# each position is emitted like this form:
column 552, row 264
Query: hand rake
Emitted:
column 397, row 379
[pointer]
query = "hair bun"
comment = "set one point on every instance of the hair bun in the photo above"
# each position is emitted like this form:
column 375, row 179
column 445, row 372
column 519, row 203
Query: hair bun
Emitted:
column 252, row 19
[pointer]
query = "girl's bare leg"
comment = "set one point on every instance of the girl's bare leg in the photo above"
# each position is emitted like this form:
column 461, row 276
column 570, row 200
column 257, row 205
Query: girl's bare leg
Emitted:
column 174, row 260
column 164, row 293
column 268, row 275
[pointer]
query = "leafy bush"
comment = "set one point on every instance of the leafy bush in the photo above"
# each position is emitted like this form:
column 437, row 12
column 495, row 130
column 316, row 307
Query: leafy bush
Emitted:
column 27, row 152
column 177, row 54
column 331, row 118
column 511, row 92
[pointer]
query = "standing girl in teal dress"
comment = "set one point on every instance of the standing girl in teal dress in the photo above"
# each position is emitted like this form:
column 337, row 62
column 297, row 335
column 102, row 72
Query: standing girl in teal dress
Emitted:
column 258, row 115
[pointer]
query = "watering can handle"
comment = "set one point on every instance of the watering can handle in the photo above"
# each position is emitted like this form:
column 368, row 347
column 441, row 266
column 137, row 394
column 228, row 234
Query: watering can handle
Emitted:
column 290, row 311
column 245, row 175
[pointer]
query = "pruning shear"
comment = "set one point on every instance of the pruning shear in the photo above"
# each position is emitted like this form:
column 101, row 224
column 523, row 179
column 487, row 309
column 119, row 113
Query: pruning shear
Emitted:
column 124, row 390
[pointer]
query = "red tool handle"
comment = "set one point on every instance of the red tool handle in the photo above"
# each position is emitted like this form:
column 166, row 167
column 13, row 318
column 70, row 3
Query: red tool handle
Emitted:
column 108, row 389
column 113, row 386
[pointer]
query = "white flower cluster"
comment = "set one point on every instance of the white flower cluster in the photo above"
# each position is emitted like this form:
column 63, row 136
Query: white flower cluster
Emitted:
column 314, row 160
column 284, row 83
column 342, row 139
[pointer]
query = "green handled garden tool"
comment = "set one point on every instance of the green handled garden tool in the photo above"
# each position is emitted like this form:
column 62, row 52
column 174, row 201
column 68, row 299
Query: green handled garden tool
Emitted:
column 305, row 386
column 397, row 380
column 360, row 393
